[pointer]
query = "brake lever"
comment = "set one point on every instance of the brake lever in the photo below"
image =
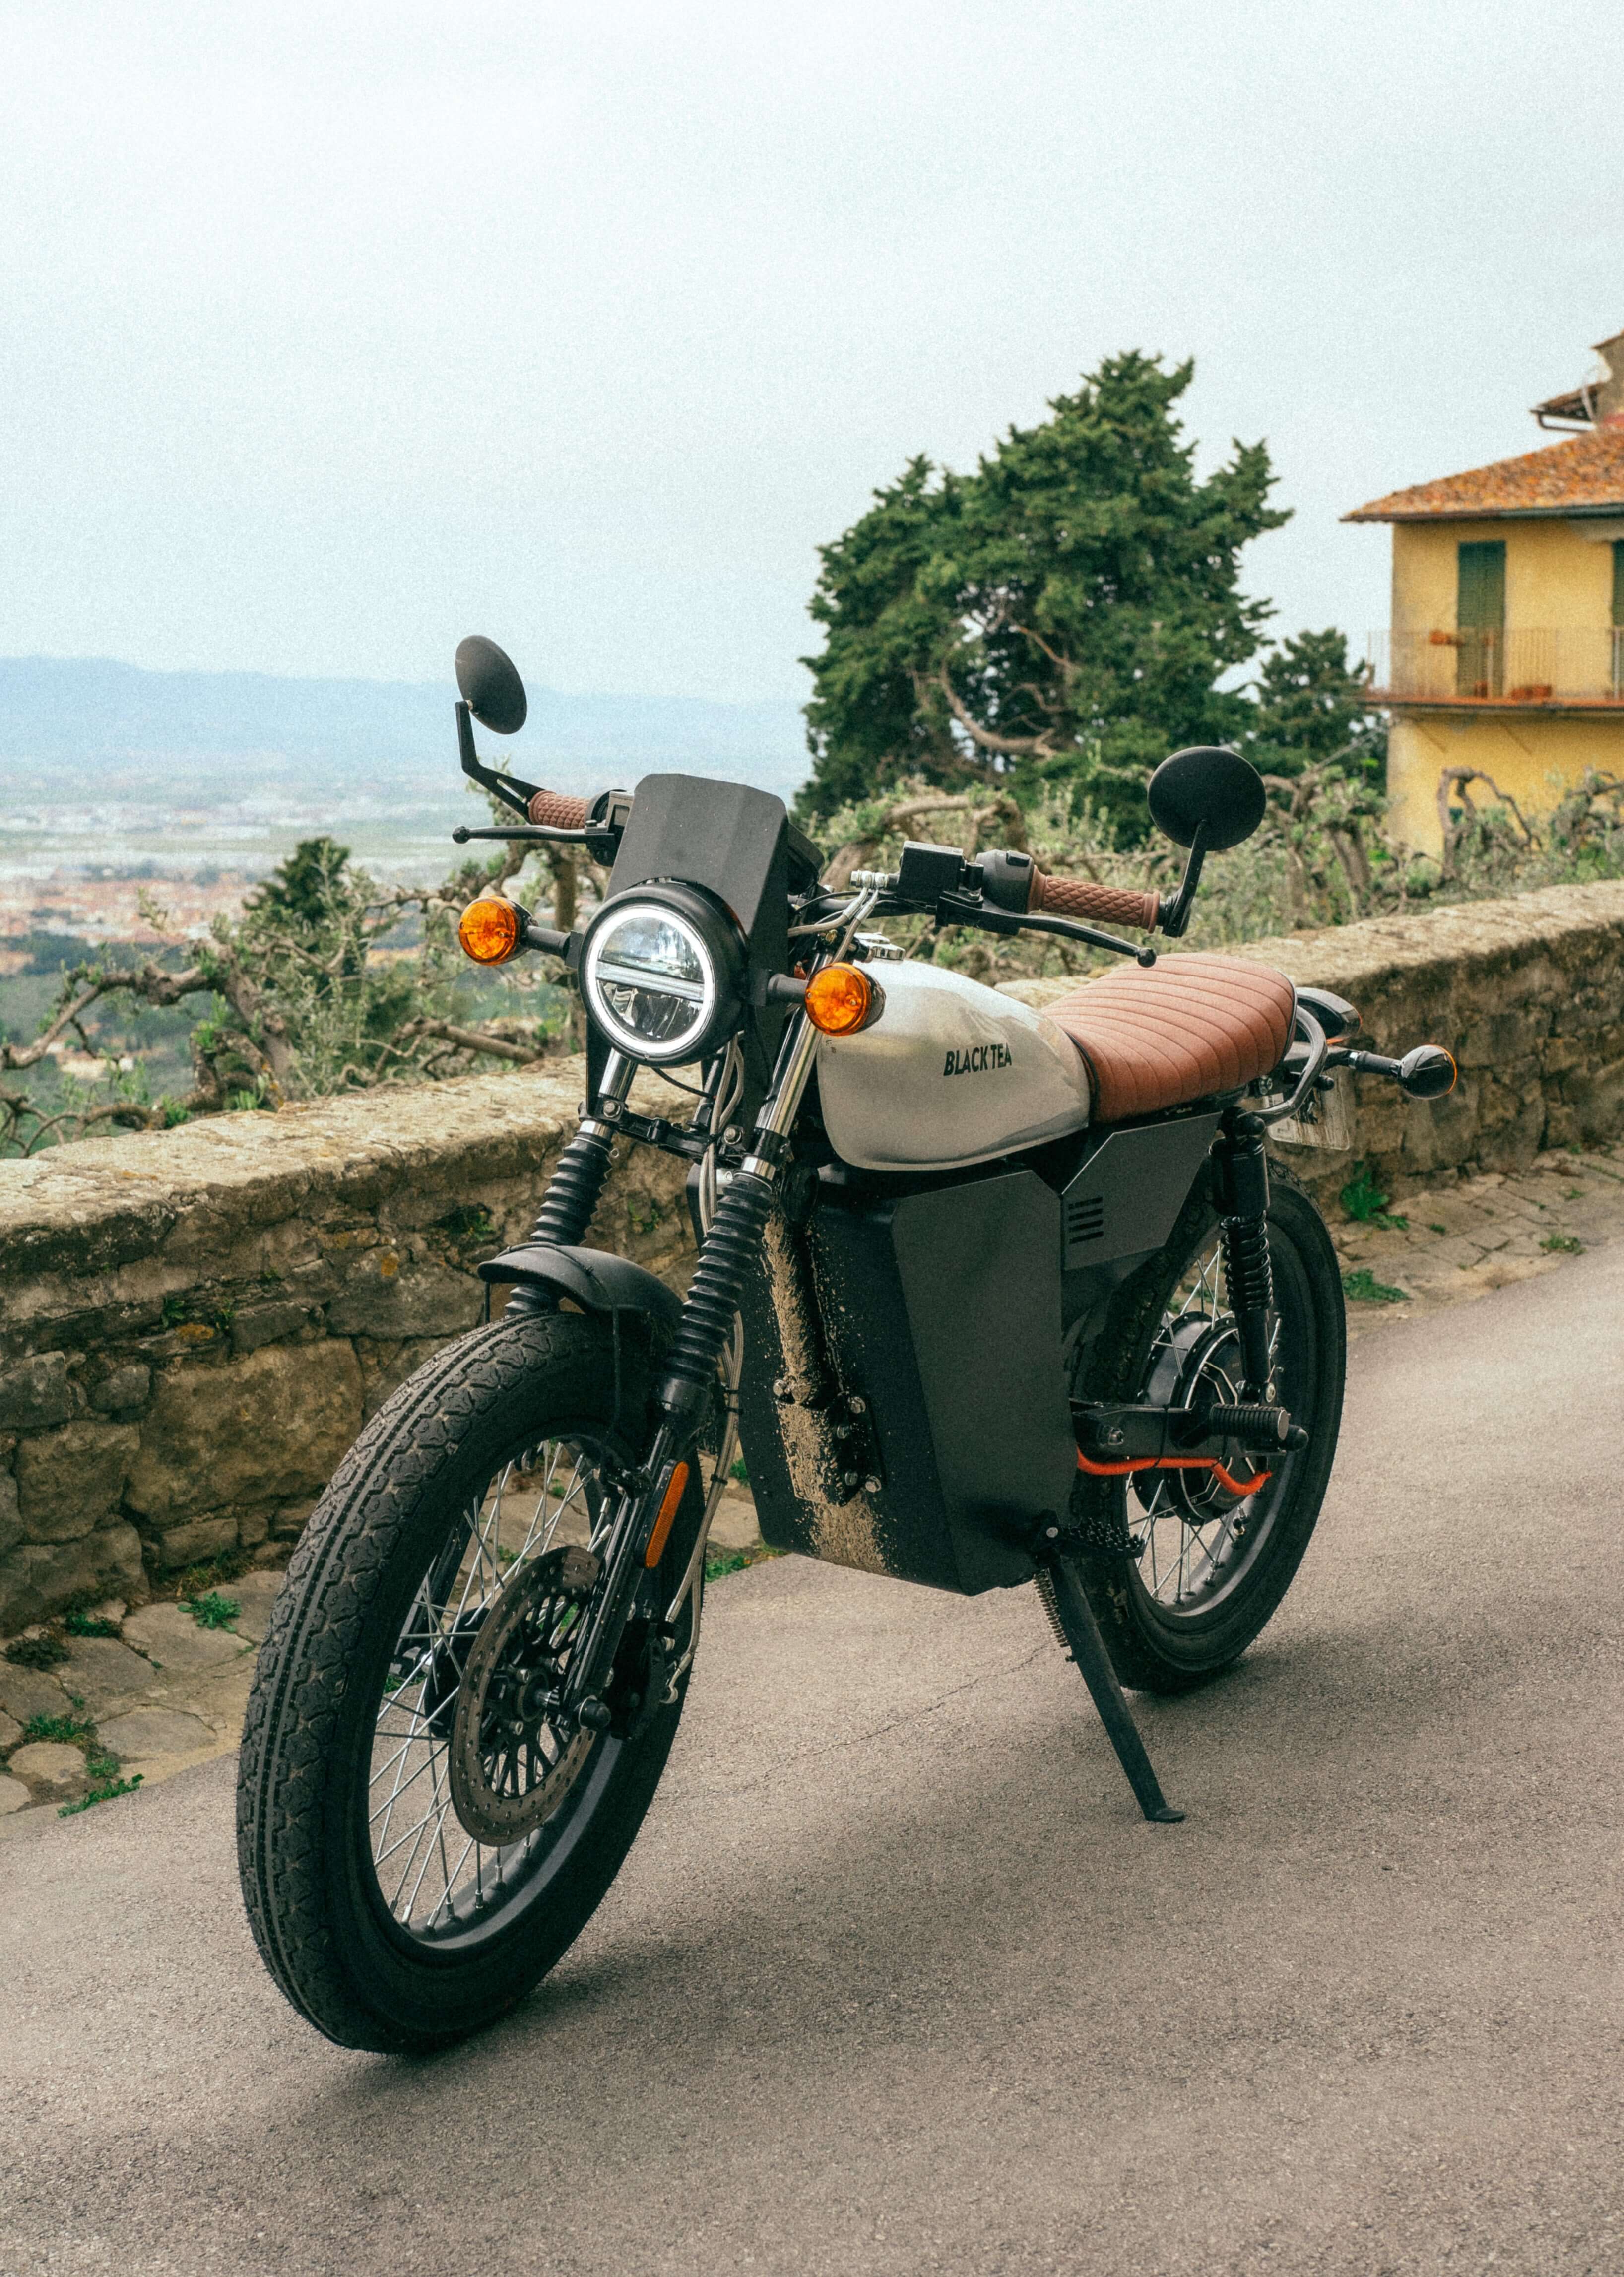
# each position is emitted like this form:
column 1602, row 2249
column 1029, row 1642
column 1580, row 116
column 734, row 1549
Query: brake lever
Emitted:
column 958, row 909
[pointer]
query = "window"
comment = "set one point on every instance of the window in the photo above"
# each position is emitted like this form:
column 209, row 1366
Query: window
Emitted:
column 1480, row 618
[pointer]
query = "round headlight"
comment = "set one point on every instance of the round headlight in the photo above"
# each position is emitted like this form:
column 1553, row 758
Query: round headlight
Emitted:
column 658, row 980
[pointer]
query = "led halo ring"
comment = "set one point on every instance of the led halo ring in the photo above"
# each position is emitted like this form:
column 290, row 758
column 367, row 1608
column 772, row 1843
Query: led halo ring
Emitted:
column 660, row 974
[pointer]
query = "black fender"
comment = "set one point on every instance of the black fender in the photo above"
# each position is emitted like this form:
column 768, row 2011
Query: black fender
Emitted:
column 595, row 1279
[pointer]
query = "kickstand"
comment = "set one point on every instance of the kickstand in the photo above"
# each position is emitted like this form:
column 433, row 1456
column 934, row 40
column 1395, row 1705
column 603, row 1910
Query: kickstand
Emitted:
column 1068, row 1607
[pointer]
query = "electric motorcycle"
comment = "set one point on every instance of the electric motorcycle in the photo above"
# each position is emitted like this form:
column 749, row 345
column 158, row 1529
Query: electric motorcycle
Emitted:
column 989, row 1295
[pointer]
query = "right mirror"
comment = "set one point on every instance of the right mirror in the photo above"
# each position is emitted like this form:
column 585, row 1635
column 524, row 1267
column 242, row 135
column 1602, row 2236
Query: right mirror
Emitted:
column 1209, row 784
column 490, row 685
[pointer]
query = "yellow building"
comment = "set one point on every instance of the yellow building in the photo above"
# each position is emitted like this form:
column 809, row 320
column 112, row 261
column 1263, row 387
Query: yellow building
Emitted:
column 1505, row 654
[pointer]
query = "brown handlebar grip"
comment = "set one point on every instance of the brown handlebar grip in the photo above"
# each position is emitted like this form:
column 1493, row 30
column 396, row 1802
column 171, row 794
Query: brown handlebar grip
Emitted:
column 555, row 812
column 1075, row 897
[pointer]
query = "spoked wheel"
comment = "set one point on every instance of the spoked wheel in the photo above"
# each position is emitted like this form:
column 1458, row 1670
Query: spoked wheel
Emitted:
column 421, row 1834
column 1191, row 1564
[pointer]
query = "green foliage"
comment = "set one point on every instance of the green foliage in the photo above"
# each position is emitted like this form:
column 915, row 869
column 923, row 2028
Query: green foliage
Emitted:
column 1362, row 1287
column 1061, row 615
column 1312, row 710
column 1364, row 1202
column 211, row 1610
column 105, row 1784
column 1563, row 1244
column 740, row 1471
column 198, row 1580
column 89, row 1624
column 45, row 1651
column 59, row 1727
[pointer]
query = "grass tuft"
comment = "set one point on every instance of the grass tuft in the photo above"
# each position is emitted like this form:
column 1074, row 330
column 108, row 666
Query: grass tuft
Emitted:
column 212, row 1610
column 1564, row 1244
column 47, row 1651
column 1362, row 1287
column 1367, row 1204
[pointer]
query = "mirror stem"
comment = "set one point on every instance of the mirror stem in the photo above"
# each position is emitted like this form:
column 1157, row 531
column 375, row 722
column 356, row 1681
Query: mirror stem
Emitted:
column 508, row 788
column 1177, row 919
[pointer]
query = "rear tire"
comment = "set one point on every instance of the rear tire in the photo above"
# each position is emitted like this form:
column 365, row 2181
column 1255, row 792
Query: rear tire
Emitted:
column 381, row 1605
column 1209, row 1569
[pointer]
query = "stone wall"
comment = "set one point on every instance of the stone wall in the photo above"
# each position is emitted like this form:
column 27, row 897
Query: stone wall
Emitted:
column 196, row 1322
column 1529, row 995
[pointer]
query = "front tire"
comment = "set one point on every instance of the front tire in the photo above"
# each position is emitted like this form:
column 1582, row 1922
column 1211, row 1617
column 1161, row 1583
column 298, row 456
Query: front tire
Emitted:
column 383, row 1920
column 1185, row 1573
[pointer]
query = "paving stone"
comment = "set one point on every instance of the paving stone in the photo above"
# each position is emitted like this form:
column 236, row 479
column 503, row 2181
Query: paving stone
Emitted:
column 105, row 1674
column 735, row 1525
column 48, row 1763
column 10, row 1731
column 168, row 1634
column 255, row 1593
column 26, row 1692
column 13, row 1796
column 146, row 1732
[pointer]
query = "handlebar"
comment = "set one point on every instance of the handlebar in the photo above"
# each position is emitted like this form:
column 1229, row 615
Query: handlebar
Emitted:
column 1077, row 897
column 553, row 810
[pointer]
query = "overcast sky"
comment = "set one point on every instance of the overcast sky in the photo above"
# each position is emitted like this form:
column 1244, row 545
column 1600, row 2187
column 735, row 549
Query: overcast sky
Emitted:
column 329, row 332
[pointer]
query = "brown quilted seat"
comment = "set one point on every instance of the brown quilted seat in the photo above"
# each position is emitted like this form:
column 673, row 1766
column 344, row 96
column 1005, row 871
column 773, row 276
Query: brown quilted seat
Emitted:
column 1181, row 1029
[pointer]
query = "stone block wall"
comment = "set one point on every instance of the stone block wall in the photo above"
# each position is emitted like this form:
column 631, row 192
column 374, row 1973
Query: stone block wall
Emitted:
column 1528, row 992
column 196, row 1322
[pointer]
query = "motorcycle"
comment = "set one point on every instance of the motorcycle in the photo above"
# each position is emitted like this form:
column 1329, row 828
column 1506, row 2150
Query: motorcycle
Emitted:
column 989, row 1295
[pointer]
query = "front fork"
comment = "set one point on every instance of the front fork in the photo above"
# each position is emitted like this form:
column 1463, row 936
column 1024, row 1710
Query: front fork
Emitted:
column 708, row 1333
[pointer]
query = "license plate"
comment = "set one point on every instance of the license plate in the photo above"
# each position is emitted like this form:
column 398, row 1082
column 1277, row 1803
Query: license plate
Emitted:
column 1328, row 1122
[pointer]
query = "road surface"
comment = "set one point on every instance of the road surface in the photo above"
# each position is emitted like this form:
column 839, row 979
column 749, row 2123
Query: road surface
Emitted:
column 897, row 1981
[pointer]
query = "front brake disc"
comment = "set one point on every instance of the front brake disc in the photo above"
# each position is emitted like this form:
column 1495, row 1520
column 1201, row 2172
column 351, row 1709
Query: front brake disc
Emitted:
column 511, row 1769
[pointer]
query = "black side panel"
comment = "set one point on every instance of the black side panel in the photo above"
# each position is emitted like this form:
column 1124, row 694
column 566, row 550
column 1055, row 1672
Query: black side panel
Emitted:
column 918, row 1339
column 1124, row 1197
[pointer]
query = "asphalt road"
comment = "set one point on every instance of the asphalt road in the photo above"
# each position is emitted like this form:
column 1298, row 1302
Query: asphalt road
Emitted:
column 897, row 1981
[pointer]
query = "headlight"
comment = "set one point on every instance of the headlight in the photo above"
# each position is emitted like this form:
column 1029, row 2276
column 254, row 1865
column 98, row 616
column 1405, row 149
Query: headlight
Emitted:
column 659, row 976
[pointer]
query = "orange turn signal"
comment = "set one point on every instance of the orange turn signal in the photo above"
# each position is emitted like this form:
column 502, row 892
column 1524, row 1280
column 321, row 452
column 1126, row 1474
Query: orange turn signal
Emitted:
column 490, row 929
column 669, row 1505
column 842, row 999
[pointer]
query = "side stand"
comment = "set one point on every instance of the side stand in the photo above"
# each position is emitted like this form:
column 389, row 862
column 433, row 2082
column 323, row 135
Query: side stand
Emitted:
column 1067, row 1605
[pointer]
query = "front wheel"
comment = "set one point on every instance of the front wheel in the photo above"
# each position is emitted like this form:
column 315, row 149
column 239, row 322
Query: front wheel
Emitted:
column 418, row 1841
column 1185, row 1569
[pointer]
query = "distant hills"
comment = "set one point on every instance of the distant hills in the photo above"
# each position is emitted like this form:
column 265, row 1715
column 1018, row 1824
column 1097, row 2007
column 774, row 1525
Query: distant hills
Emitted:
column 84, row 726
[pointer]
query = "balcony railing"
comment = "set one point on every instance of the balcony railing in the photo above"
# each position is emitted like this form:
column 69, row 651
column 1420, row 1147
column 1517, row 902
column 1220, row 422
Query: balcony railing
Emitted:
column 1524, row 666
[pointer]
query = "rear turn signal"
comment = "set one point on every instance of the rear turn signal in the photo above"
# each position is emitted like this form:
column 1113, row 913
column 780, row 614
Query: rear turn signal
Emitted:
column 842, row 999
column 491, row 929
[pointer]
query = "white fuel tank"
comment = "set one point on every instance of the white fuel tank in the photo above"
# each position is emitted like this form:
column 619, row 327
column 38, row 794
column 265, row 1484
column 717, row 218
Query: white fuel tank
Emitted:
column 952, row 1073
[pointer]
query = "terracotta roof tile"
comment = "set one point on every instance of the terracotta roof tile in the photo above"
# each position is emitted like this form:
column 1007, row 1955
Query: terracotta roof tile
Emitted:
column 1585, row 472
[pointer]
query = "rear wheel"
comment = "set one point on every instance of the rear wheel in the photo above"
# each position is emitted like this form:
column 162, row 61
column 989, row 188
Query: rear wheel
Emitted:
column 418, row 1840
column 1190, row 1566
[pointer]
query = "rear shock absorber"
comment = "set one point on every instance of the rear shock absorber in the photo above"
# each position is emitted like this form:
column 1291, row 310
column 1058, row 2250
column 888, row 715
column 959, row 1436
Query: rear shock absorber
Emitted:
column 1242, row 1195
column 730, row 1248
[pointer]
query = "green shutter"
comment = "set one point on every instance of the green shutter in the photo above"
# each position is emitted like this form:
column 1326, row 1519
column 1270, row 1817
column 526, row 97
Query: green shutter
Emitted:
column 1618, row 581
column 1480, row 618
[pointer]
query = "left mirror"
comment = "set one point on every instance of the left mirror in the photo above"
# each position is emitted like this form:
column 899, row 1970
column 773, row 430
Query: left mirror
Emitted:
column 491, row 686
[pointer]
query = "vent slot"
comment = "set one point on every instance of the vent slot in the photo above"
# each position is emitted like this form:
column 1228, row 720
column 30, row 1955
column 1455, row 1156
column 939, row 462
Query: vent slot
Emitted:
column 1085, row 1220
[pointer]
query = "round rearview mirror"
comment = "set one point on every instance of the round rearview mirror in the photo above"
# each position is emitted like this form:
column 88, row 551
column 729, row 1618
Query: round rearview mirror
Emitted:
column 1208, row 788
column 491, row 686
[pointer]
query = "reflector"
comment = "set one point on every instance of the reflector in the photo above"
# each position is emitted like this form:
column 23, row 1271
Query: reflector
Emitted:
column 668, row 1502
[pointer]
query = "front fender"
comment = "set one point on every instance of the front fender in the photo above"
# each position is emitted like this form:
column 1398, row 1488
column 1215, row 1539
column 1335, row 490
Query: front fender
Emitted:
column 595, row 1279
